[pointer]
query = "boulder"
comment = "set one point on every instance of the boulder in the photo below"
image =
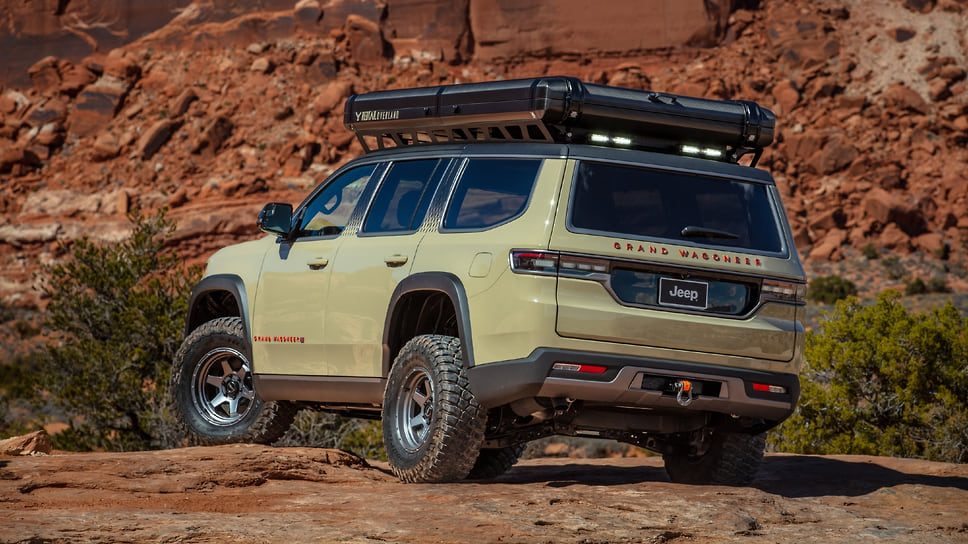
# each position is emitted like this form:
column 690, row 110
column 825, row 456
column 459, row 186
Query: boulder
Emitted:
column 45, row 74
column 155, row 137
column 53, row 110
column 331, row 96
column 105, row 147
column 786, row 95
column 931, row 243
column 181, row 104
column 122, row 66
column 900, row 96
column 887, row 208
column 836, row 155
column 97, row 105
column 35, row 443
column 829, row 220
column 262, row 65
column 828, row 248
column 18, row 160
column 365, row 41
column 213, row 135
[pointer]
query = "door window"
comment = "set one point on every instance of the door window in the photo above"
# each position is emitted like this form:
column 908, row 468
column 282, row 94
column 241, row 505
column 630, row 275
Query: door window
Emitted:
column 328, row 211
column 404, row 196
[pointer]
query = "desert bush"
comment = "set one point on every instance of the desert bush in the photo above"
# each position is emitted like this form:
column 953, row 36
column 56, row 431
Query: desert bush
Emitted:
column 115, row 319
column 882, row 380
column 325, row 430
column 830, row 289
column 915, row 287
column 869, row 252
column 18, row 395
column 895, row 270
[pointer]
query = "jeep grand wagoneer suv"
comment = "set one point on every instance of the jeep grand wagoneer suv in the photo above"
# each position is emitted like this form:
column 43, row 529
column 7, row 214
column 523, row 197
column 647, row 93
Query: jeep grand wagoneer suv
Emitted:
column 513, row 260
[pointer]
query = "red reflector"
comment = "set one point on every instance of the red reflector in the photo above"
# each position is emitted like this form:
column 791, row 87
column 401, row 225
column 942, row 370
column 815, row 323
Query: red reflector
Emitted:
column 766, row 388
column 573, row 367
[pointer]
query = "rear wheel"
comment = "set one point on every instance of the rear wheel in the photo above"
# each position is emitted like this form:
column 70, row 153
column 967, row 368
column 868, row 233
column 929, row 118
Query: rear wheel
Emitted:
column 493, row 462
column 212, row 392
column 432, row 425
column 724, row 459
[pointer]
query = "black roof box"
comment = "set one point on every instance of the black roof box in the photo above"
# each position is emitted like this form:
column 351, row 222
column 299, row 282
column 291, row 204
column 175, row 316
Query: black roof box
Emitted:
column 558, row 109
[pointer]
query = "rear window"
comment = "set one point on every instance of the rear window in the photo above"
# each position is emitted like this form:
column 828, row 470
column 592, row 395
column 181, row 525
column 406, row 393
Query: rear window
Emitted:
column 684, row 208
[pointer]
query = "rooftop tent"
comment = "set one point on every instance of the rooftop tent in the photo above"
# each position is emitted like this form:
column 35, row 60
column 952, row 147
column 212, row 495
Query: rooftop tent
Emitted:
column 563, row 110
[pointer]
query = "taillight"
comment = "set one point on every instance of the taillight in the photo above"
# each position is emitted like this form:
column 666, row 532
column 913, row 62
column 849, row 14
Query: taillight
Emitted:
column 575, row 367
column 535, row 262
column 549, row 263
column 786, row 291
column 767, row 388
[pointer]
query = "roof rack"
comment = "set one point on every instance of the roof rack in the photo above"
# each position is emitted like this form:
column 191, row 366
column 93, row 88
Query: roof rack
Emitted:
column 563, row 110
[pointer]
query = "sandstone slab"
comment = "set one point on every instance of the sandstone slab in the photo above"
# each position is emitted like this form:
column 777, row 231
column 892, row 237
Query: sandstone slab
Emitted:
column 247, row 493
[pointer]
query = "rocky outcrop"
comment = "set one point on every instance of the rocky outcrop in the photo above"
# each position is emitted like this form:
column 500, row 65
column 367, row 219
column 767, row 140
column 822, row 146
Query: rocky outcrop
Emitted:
column 35, row 443
column 224, row 108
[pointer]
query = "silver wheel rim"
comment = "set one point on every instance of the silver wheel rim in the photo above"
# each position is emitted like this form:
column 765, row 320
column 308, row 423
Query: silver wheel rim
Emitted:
column 415, row 409
column 223, row 393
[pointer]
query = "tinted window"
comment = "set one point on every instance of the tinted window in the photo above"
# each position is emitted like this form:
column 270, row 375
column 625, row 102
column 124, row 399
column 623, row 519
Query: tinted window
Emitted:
column 490, row 192
column 685, row 208
column 329, row 210
column 404, row 196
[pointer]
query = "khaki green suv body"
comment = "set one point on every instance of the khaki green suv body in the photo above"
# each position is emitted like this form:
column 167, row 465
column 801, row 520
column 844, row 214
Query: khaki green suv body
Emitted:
column 515, row 260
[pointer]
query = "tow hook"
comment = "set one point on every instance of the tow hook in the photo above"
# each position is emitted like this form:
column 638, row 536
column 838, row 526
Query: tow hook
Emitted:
column 683, row 392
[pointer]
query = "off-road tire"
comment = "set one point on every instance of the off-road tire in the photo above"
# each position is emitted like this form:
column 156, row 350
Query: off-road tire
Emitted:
column 493, row 462
column 211, row 392
column 730, row 459
column 433, row 427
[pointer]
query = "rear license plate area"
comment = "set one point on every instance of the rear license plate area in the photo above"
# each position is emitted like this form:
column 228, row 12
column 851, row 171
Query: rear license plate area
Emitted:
column 689, row 294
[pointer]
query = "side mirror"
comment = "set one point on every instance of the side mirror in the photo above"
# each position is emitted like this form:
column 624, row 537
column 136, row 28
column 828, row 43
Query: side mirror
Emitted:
column 276, row 218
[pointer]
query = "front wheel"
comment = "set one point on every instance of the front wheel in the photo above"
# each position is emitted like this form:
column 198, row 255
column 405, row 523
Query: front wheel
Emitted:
column 212, row 392
column 433, row 427
column 725, row 459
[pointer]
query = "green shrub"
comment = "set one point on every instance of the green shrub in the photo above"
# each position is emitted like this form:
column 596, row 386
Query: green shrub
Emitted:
column 18, row 395
column 937, row 285
column 869, row 252
column 895, row 270
column 830, row 289
column 881, row 380
column 915, row 287
column 115, row 318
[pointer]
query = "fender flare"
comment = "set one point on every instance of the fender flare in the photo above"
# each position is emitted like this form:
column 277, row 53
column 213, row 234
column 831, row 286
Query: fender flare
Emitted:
column 443, row 282
column 218, row 282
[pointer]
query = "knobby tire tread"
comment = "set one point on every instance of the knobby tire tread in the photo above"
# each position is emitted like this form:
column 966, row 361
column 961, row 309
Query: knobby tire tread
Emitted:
column 274, row 418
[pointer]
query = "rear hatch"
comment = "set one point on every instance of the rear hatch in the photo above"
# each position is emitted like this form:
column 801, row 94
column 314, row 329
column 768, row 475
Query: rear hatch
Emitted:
column 672, row 257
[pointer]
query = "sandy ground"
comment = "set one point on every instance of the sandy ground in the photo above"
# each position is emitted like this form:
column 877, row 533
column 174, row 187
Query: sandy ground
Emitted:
column 247, row 493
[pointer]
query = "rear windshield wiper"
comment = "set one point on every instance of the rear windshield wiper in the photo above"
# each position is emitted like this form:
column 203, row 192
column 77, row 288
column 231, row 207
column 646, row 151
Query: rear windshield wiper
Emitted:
column 692, row 231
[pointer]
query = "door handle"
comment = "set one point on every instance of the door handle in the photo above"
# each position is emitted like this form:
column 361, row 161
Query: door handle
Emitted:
column 396, row 260
column 318, row 263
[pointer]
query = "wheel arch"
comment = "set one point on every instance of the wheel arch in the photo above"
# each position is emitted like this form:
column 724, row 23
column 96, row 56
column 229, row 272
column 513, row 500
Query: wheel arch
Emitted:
column 219, row 295
column 418, row 299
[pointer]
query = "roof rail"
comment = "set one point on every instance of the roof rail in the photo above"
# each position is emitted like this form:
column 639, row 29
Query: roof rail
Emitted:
column 563, row 110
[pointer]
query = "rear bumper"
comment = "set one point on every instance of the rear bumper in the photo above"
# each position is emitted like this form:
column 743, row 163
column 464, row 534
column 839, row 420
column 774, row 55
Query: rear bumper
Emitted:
column 730, row 390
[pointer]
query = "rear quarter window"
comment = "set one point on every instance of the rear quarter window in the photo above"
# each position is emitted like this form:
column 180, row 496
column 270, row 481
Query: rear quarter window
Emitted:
column 491, row 191
column 683, row 208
